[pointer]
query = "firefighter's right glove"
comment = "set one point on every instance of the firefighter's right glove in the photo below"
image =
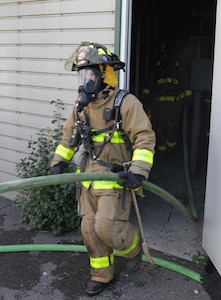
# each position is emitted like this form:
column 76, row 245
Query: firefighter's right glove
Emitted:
column 59, row 168
column 132, row 180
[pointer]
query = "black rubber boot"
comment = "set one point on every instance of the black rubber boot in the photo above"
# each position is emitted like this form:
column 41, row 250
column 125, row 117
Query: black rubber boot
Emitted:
column 133, row 264
column 95, row 287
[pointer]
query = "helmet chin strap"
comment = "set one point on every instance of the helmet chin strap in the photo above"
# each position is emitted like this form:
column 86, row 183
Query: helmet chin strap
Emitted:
column 103, row 73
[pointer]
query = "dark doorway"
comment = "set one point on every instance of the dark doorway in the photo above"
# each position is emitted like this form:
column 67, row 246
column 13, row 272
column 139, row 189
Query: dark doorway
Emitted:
column 189, row 26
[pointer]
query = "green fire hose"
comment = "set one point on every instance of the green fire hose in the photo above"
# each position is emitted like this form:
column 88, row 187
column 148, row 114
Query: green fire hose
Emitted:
column 73, row 177
column 186, row 165
column 81, row 248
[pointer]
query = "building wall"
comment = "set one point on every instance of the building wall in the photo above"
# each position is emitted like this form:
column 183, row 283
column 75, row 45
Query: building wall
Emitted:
column 212, row 212
column 36, row 36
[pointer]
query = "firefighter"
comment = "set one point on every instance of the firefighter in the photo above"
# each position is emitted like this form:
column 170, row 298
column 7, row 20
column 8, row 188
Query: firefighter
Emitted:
column 92, row 124
column 168, row 89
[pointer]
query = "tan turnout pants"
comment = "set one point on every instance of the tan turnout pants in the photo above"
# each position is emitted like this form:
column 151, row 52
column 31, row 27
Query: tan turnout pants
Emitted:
column 105, row 227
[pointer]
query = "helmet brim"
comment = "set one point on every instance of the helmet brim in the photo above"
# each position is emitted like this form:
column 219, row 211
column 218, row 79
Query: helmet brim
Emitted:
column 70, row 64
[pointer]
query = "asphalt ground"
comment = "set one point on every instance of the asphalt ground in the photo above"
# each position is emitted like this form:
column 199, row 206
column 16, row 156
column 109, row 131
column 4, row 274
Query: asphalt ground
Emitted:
column 63, row 275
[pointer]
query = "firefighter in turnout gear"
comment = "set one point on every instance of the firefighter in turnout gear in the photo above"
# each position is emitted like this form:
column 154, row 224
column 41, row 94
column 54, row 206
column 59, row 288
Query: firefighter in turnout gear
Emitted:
column 168, row 90
column 104, row 140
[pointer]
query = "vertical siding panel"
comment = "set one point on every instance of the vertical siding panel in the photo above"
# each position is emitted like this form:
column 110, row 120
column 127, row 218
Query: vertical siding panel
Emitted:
column 35, row 39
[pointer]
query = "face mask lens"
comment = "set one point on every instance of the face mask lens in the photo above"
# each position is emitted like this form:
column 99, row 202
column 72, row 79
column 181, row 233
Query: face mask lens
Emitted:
column 88, row 79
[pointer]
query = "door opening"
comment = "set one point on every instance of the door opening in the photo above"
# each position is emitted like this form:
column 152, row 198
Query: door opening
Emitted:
column 189, row 26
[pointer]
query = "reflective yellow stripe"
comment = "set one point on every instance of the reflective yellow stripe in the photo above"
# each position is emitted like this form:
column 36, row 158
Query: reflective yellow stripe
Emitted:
column 116, row 138
column 169, row 144
column 85, row 184
column 100, row 184
column 144, row 155
column 101, row 50
column 162, row 148
column 168, row 80
column 132, row 246
column 185, row 94
column 102, row 262
column 64, row 152
column 105, row 185
column 146, row 91
column 188, row 92
column 166, row 98
column 99, row 138
column 175, row 98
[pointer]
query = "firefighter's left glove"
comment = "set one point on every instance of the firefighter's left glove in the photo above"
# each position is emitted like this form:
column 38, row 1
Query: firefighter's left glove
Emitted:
column 59, row 168
column 132, row 180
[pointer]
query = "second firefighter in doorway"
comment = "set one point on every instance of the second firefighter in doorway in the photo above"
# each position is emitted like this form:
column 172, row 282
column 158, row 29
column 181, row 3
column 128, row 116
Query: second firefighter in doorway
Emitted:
column 168, row 89
column 108, row 142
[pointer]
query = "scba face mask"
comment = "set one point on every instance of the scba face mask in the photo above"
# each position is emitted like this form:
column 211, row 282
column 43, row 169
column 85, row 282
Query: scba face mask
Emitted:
column 89, row 84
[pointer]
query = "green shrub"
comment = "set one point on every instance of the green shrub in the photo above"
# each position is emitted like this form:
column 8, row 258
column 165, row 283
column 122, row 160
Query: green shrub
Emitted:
column 200, row 258
column 51, row 207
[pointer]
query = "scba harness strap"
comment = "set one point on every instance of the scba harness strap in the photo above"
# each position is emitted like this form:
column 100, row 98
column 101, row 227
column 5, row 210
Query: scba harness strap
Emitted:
column 117, row 104
column 116, row 126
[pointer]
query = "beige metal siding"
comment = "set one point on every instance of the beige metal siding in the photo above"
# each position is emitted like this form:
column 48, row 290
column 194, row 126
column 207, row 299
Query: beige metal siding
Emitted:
column 36, row 36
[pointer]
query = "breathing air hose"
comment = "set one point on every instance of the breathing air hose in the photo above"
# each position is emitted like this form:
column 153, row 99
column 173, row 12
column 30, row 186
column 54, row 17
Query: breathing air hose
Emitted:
column 186, row 164
column 73, row 177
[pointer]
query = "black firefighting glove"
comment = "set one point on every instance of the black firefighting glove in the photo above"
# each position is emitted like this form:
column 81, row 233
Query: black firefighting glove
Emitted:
column 59, row 168
column 132, row 180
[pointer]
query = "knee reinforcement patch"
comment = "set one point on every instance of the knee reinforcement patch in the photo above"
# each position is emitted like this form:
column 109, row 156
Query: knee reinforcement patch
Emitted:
column 116, row 234
column 95, row 245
